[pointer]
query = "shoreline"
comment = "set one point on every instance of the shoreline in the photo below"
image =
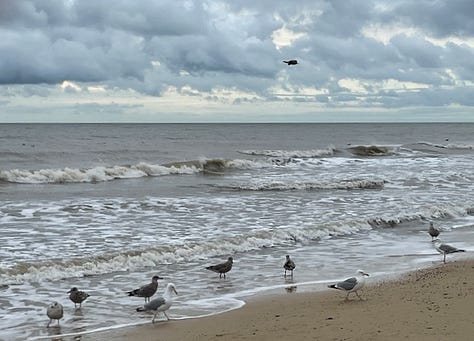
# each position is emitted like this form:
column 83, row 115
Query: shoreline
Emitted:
column 432, row 303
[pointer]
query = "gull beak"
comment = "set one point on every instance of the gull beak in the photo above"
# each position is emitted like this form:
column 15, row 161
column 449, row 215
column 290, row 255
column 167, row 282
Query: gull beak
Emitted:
column 366, row 274
column 175, row 291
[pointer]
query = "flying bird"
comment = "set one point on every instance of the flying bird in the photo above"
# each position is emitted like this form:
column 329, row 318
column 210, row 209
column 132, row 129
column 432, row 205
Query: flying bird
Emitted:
column 54, row 311
column 434, row 232
column 289, row 265
column 146, row 290
column 291, row 62
column 77, row 296
column 161, row 304
column 222, row 268
column 352, row 284
column 444, row 249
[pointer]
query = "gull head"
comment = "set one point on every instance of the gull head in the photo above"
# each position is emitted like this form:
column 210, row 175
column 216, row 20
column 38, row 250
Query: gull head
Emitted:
column 171, row 288
column 362, row 273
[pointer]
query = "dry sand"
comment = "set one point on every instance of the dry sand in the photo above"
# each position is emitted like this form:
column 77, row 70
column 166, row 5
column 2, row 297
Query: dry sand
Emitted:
column 429, row 304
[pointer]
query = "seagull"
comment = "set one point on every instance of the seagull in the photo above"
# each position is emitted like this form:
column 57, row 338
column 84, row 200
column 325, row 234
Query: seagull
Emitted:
column 161, row 303
column 146, row 290
column 291, row 62
column 289, row 265
column 222, row 268
column 444, row 249
column 352, row 284
column 434, row 232
column 54, row 312
column 77, row 296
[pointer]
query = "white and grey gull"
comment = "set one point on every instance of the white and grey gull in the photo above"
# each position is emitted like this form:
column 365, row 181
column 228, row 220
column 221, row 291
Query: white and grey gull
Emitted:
column 352, row 284
column 147, row 290
column 54, row 311
column 161, row 304
column 445, row 249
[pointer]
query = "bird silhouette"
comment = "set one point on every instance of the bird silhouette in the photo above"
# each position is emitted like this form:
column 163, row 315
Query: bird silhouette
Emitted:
column 291, row 62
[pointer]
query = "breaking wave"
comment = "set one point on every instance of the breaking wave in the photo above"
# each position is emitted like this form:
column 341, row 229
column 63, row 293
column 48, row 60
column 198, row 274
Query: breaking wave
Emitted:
column 169, row 254
column 133, row 260
column 307, row 185
column 101, row 173
column 315, row 153
column 372, row 150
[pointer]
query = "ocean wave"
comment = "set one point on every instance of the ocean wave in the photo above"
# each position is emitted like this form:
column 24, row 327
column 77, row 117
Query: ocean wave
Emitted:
column 132, row 260
column 301, row 154
column 101, row 173
column 169, row 254
column 372, row 150
column 306, row 185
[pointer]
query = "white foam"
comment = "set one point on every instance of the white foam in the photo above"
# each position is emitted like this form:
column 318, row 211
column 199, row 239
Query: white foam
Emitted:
column 314, row 153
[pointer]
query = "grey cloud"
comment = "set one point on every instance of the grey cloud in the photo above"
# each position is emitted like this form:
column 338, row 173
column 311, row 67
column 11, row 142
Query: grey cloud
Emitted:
column 213, row 44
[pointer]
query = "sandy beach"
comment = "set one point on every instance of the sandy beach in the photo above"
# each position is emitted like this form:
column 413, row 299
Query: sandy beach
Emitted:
column 428, row 304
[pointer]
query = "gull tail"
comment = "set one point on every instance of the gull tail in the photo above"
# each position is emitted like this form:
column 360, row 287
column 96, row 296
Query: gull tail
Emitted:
column 332, row 286
column 132, row 293
column 140, row 309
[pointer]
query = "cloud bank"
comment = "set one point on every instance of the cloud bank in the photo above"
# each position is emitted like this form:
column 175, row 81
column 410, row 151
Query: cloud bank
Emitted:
column 352, row 54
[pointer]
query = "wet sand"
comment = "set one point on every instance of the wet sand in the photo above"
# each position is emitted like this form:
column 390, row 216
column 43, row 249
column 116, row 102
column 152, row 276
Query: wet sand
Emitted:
column 429, row 304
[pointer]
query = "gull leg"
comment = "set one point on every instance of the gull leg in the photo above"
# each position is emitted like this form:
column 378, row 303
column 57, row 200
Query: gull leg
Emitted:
column 154, row 316
column 166, row 315
column 444, row 258
column 47, row 326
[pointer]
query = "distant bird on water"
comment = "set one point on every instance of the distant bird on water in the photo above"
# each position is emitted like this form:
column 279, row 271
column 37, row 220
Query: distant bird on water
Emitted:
column 146, row 290
column 55, row 312
column 445, row 249
column 77, row 296
column 434, row 232
column 291, row 62
column 289, row 265
column 222, row 268
column 352, row 284
column 161, row 304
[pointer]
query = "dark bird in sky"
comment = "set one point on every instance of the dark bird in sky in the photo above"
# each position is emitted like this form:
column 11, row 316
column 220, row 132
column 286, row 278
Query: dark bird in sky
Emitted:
column 291, row 62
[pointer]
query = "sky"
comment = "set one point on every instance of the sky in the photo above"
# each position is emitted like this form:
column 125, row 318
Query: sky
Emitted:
column 222, row 61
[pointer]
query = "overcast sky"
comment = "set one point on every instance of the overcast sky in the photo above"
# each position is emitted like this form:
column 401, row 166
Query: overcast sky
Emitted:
column 221, row 61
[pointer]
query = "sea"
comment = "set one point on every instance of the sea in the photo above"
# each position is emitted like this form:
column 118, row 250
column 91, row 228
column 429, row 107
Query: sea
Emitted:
column 104, row 207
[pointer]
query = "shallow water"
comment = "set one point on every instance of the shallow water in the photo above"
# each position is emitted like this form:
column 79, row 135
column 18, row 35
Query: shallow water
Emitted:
column 106, row 207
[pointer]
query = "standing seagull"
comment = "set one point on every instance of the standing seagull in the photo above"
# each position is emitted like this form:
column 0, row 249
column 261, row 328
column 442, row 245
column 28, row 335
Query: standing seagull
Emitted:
column 222, row 268
column 289, row 265
column 291, row 62
column 77, row 296
column 444, row 249
column 146, row 290
column 54, row 312
column 352, row 284
column 434, row 232
column 161, row 303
